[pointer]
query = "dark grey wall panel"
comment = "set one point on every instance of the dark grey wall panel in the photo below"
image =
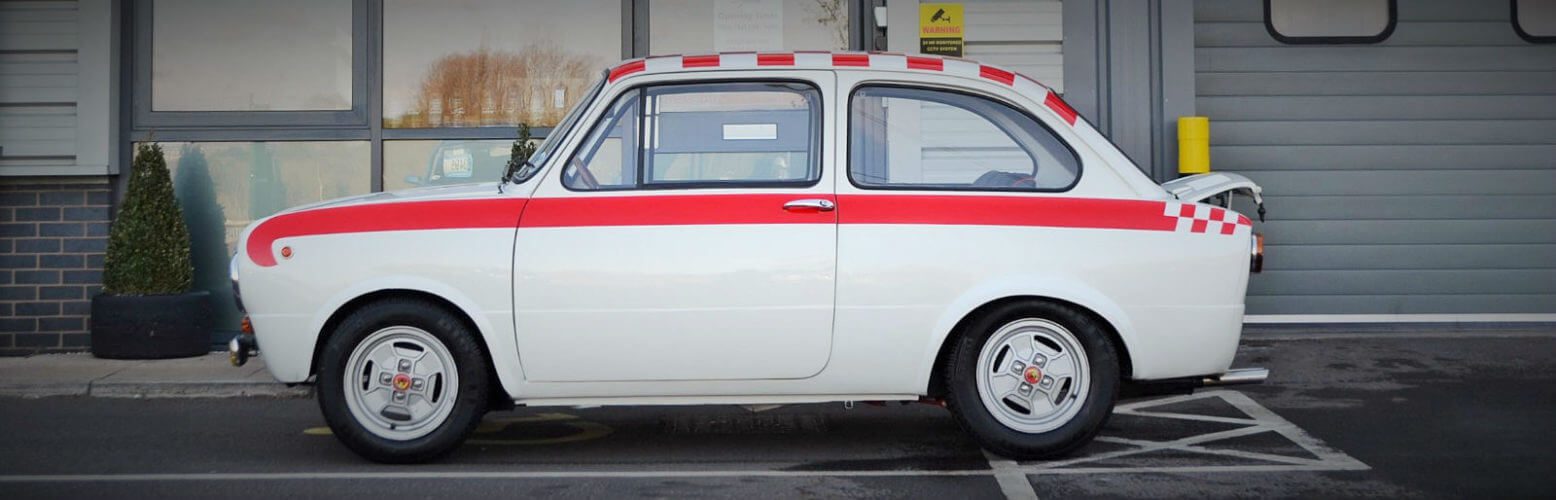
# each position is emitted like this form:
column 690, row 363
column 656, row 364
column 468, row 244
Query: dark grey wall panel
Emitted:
column 1378, row 257
column 1375, row 83
column 1374, row 107
column 1404, row 182
column 1383, row 132
column 1386, row 157
column 1415, row 175
column 1408, row 207
column 1374, row 58
column 1414, row 303
column 1406, row 281
column 1427, row 232
column 1492, row 32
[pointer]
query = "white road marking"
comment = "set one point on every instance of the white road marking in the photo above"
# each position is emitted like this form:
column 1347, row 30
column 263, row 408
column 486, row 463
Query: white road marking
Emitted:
column 1262, row 420
column 1013, row 483
column 1010, row 475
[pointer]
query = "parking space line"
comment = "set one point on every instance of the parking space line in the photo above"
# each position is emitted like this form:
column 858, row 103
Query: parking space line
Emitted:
column 1013, row 483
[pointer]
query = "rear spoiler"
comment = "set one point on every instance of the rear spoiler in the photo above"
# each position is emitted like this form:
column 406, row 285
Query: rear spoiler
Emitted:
column 1201, row 187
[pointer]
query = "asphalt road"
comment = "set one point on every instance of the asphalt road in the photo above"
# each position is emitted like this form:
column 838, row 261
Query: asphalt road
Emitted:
column 1391, row 414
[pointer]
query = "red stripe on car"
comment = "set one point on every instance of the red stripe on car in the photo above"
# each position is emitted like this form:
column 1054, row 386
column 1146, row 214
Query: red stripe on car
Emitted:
column 626, row 69
column 1094, row 213
column 1060, row 107
column 926, row 63
column 709, row 61
column 850, row 60
column 683, row 210
column 775, row 59
column 996, row 74
column 669, row 211
column 375, row 217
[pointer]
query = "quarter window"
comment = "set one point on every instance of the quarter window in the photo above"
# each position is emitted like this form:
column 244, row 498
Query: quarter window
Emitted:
column 931, row 139
column 703, row 135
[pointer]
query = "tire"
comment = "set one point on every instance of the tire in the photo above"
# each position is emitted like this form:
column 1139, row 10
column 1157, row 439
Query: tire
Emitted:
column 420, row 416
column 1046, row 428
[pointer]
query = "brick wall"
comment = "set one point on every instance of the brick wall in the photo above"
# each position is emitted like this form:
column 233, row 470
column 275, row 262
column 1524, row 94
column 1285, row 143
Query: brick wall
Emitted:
column 52, row 236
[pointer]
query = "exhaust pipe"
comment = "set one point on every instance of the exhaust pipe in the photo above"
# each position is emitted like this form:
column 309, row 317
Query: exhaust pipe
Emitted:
column 1241, row 376
column 241, row 348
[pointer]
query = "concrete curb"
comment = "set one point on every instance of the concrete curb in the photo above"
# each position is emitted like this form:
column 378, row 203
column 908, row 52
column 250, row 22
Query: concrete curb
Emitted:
column 78, row 375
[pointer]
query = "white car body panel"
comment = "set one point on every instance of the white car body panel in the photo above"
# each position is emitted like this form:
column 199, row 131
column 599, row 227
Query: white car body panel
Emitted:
column 853, row 309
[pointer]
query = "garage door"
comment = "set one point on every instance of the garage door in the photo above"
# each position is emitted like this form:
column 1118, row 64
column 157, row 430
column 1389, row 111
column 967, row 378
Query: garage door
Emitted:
column 1412, row 176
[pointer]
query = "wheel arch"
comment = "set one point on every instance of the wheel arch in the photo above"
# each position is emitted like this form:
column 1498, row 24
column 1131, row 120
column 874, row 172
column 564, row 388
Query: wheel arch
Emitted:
column 1093, row 304
column 499, row 400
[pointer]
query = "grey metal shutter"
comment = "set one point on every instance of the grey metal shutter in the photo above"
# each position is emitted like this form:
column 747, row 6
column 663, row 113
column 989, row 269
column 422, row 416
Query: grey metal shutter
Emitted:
column 55, row 78
column 1414, row 176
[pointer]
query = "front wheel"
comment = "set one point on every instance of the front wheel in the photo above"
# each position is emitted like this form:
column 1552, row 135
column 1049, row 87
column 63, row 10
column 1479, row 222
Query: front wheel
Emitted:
column 402, row 381
column 1032, row 380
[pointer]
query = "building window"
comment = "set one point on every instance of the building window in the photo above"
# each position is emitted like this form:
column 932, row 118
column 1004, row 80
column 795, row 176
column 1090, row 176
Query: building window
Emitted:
column 910, row 138
column 224, row 186
column 409, row 164
column 485, row 63
column 1329, row 21
column 1535, row 20
column 244, row 55
column 693, row 26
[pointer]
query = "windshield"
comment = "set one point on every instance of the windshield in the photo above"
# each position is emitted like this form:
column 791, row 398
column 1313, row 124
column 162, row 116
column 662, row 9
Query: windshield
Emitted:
column 554, row 139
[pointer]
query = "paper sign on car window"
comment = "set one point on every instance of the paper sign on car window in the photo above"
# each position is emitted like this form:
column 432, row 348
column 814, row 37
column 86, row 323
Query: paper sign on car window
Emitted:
column 750, row 131
column 456, row 163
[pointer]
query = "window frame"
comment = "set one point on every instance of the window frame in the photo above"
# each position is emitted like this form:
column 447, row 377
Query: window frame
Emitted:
column 1388, row 30
column 848, row 139
column 1519, row 28
column 641, row 91
column 147, row 117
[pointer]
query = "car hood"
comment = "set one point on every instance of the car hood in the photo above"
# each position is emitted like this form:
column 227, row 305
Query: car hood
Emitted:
column 454, row 192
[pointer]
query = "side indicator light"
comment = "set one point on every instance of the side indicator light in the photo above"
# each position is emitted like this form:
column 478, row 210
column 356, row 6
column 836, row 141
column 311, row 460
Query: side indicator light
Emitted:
column 286, row 252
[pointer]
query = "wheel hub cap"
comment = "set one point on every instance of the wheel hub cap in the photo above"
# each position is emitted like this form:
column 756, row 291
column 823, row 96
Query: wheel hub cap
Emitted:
column 1033, row 375
column 400, row 383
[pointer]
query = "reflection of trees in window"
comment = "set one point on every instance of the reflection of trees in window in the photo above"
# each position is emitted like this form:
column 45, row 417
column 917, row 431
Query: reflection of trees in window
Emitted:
column 207, row 222
column 486, row 87
column 832, row 15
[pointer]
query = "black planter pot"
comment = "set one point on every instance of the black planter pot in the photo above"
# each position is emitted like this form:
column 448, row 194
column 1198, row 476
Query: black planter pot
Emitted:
column 151, row 326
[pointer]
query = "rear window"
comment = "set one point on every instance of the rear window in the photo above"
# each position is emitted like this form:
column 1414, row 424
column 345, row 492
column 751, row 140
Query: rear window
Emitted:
column 914, row 138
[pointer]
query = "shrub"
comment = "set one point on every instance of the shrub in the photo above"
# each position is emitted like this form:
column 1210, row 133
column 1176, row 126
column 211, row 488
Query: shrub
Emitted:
column 148, row 245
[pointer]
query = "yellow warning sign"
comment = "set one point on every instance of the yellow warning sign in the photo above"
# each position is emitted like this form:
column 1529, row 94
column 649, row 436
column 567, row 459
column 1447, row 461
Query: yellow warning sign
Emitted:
column 940, row 29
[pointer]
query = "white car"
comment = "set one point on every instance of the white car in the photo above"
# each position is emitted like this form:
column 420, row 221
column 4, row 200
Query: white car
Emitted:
column 760, row 229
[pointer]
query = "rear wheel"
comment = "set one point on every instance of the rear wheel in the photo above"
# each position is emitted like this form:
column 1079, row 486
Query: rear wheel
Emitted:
column 1032, row 379
column 402, row 381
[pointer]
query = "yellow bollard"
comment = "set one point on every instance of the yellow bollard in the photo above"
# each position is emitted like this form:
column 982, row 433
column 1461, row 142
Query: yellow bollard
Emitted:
column 1193, row 145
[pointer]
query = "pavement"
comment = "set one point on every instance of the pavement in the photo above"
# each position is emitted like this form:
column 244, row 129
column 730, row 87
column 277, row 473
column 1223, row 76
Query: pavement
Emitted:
column 81, row 374
column 1372, row 414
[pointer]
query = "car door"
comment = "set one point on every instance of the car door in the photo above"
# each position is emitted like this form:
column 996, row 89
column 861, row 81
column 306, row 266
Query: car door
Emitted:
column 689, row 236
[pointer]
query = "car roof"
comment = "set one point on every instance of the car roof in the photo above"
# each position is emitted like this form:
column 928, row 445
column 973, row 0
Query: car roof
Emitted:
column 845, row 61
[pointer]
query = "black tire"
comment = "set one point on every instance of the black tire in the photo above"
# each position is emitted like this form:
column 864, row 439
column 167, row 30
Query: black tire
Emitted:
column 470, row 402
column 962, row 387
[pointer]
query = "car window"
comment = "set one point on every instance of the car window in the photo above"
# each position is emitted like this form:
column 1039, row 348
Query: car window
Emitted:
column 704, row 135
column 608, row 159
column 914, row 138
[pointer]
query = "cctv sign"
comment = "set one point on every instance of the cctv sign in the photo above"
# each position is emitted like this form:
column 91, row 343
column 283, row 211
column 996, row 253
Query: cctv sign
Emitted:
column 940, row 29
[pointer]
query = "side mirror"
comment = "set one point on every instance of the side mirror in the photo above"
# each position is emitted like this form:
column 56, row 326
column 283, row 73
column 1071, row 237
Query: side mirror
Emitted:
column 414, row 180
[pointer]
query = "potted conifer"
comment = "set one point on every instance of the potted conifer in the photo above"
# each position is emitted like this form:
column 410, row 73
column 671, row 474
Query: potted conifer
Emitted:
column 146, row 310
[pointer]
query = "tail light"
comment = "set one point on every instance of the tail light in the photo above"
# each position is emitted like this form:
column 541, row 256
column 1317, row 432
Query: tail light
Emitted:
column 1256, row 253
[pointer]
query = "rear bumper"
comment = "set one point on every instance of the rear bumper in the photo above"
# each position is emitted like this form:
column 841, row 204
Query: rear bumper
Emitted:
column 1187, row 385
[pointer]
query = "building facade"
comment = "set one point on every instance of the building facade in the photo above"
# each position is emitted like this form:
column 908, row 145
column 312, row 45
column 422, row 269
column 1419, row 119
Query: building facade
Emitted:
column 1407, row 148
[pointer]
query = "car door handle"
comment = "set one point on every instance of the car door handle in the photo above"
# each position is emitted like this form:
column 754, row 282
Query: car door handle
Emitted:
column 810, row 204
